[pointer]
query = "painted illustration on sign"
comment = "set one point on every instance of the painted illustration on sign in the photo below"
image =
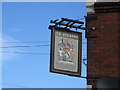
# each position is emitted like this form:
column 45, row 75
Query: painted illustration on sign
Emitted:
column 66, row 51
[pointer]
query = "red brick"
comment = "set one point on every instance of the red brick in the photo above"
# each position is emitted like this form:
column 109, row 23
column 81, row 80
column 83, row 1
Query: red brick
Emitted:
column 103, row 52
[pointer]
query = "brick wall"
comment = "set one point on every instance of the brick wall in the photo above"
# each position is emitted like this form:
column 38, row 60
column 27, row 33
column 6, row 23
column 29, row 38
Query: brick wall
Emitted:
column 119, row 41
column 103, row 51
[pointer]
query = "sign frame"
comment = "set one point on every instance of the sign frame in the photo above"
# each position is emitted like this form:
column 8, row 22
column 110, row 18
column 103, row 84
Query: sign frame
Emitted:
column 52, row 52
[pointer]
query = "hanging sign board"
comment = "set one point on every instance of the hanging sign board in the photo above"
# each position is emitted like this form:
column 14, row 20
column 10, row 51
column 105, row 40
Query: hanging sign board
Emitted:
column 66, row 52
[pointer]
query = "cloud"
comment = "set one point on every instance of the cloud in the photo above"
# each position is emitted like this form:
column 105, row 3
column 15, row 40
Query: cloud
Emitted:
column 6, row 56
column 0, row 48
column 6, row 42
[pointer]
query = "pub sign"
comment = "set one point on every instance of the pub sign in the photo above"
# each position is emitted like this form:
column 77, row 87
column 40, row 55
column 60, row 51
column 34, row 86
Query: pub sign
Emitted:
column 66, row 51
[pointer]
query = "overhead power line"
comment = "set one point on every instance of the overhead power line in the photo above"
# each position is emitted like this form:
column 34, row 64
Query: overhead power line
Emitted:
column 27, row 46
column 24, row 46
column 34, row 53
column 28, row 42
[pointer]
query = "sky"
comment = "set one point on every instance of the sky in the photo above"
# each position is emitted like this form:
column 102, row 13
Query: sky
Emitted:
column 26, row 24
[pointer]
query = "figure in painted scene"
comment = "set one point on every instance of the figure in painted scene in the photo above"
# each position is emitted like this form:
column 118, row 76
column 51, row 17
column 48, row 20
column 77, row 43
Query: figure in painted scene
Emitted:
column 66, row 51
